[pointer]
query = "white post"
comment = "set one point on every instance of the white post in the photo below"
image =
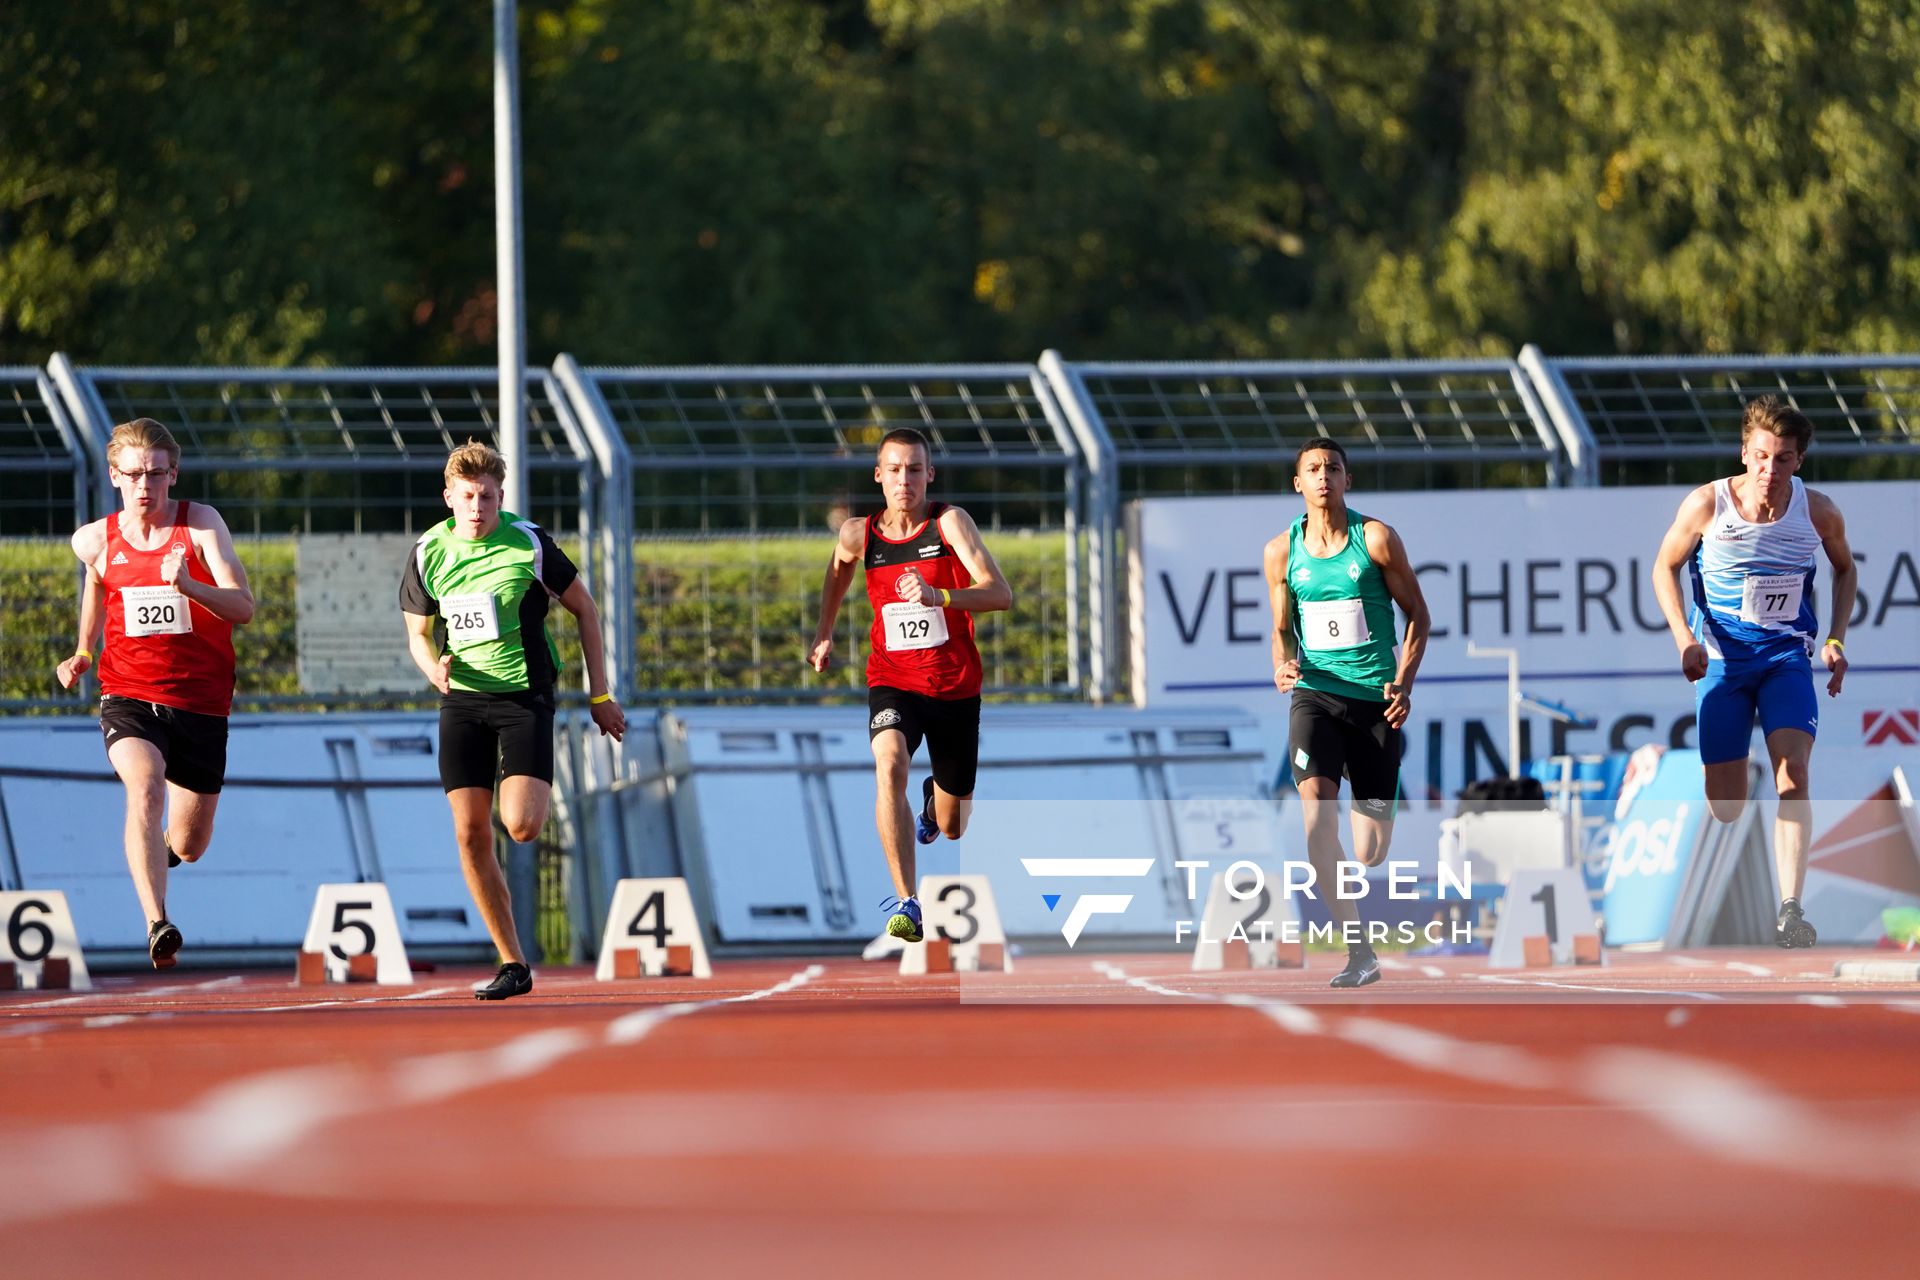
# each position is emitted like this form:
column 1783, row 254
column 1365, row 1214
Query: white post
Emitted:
column 1513, row 700
column 510, row 284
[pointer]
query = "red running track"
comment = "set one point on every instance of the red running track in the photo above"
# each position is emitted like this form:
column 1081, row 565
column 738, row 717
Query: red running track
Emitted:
column 1725, row 1113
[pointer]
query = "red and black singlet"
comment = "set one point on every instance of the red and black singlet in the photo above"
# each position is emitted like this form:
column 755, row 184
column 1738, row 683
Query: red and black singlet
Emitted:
column 160, row 646
column 921, row 649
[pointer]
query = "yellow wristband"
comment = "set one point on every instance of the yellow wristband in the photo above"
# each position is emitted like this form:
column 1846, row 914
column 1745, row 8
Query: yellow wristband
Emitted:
column 599, row 698
column 83, row 653
column 1836, row 644
column 946, row 598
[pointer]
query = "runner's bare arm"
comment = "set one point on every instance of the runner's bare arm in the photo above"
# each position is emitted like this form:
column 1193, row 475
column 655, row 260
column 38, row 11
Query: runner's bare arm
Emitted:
column 1696, row 511
column 1286, row 660
column 578, row 601
column 847, row 550
column 229, row 598
column 1832, row 528
column 1386, row 550
column 93, row 599
column 987, row 590
column 437, row 667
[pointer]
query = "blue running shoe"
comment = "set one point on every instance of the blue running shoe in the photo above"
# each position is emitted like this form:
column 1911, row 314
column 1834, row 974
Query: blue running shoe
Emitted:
column 904, row 923
column 926, row 831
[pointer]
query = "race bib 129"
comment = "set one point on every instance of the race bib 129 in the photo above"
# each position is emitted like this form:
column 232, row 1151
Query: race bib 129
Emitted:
column 914, row 626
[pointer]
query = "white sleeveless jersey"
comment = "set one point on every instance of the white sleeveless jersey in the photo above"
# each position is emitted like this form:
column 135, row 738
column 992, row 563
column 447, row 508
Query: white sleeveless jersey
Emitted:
column 1753, row 583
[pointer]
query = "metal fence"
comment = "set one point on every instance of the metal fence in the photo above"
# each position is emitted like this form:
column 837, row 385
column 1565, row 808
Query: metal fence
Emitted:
column 736, row 480
column 702, row 501
column 1677, row 420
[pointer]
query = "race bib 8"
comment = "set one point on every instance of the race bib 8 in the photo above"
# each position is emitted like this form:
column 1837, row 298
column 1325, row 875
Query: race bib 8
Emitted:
column 1333, row 624
column 471, row 618
column 914, row 626
column 155, row 611
column 1771, row 598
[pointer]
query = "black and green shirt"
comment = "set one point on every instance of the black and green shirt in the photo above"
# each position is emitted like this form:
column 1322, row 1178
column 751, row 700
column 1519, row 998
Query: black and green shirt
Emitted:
column 491, row 596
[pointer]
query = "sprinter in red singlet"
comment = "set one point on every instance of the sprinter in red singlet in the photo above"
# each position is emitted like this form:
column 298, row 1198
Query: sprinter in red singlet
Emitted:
column 163, row 577
column 928, row 573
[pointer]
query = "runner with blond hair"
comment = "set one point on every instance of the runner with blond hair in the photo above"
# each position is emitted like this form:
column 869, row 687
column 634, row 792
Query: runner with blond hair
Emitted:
column 164, row 580
column 475, row 594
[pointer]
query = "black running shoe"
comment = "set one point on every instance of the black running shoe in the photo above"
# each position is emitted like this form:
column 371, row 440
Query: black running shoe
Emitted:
column 512, row 980
column 1792, row 929
column 1362, row 968
column 163, row 941
column 927, row 829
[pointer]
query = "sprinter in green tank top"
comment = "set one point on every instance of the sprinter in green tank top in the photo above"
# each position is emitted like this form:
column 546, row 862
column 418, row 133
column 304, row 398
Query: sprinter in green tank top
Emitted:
column 1334, row 577
column 475, row 595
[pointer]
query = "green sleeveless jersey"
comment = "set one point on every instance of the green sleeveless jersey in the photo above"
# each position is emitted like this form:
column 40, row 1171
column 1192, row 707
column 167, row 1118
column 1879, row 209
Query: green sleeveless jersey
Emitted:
column 1342, row 615
column 491, row 596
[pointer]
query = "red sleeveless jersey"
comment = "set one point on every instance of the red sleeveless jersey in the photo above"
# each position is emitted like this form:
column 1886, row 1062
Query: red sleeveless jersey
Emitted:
column 162, row 647
column 904, row 649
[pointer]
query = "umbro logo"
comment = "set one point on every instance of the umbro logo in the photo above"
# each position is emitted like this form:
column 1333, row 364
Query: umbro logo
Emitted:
column 1302, row 575
column 119, row 557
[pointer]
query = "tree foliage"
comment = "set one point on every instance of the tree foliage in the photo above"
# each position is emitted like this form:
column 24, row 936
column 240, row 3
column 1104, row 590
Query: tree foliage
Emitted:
column 211, row 181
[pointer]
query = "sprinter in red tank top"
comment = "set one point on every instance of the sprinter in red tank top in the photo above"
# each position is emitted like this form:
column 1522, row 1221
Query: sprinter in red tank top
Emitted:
column 163, row 576
column 928, row 573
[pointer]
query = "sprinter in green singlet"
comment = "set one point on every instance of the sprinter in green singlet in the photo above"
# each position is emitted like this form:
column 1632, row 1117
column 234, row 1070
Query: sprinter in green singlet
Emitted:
column 1334, row 577
column 475, row 594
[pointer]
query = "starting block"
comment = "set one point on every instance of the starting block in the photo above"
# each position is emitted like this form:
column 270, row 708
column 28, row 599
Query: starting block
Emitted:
column 675, row 961
column 652, row 932
column 1541, row 919
column 962, row 927
column 39, row 949
column 936, row 955
column 1246, row 924
column 354, row 937
column 313, row 969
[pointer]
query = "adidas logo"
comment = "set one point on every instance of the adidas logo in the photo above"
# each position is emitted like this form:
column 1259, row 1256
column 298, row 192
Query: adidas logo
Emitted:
column 119, row 557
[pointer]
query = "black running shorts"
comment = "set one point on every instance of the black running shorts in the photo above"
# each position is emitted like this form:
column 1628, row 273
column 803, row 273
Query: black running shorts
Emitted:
column 193, row 745
column 488, row 736
column 951, row 729
column 1330, row 735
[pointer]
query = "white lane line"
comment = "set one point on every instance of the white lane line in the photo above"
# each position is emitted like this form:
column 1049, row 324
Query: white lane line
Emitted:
column 1755, row 970
column 1713, row 1107
column 1825, row 1002
column 235, row 1132
column 27, row 1027
column 1588, row 986
column 1433, row 971
column 50, row 1004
